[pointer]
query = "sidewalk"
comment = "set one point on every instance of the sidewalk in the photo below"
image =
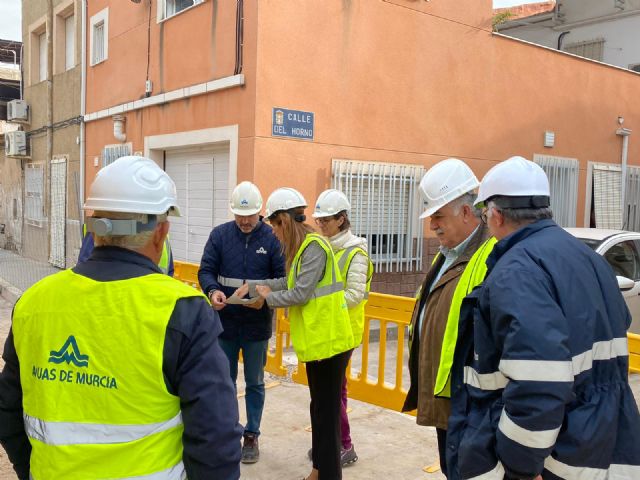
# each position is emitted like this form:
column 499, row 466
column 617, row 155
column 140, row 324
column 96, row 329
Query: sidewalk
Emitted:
column 19, row 273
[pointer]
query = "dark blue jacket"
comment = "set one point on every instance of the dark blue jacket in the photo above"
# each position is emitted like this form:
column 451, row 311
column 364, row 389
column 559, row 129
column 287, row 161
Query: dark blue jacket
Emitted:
column 241, row 256
column 539, row 382
column 194, row 367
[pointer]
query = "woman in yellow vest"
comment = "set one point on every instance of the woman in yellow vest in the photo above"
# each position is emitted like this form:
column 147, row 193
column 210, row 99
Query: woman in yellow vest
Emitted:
column 321, row 333
column 332, row 217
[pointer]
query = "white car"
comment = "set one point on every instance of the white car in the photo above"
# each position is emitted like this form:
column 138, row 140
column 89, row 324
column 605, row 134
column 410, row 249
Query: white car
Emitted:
column 621, row 250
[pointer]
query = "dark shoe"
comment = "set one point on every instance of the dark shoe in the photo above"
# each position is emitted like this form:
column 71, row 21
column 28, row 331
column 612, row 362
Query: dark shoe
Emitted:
column 348, row 457
column 250, row 449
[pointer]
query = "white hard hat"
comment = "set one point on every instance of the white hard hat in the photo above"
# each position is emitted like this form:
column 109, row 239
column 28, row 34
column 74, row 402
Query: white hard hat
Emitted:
column 444, row 182
column 516, row 177
column 284, row 198
column 245, row 199
column 133, row 184
column 330, row 202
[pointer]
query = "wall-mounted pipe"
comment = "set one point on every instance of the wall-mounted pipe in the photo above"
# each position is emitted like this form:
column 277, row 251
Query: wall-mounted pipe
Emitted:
column 624, row 133
column 118, row 128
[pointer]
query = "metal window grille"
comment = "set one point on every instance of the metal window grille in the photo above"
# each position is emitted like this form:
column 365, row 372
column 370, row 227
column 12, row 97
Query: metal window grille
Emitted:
column 593, row 49
column 98, row 42
column 632, row 200
column 34, row 185
column 607, row 204
column 57, row 223
column 385, row 205
column 563, row 182
column 110, row 153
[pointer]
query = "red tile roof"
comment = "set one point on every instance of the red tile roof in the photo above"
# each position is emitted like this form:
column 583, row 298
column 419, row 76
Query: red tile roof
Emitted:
column 522, row 11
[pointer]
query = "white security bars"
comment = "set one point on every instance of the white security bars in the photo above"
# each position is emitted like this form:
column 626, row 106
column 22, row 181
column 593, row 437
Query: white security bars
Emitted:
column 110, row 153
column 385, row 205
column 563, row 182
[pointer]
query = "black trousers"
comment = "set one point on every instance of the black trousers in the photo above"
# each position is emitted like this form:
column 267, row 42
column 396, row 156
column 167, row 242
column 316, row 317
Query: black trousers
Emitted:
column 442, row 449
column 325, row 386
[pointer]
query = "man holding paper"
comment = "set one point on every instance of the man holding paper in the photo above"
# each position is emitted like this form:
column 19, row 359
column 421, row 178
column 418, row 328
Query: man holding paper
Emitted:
column 243, row 249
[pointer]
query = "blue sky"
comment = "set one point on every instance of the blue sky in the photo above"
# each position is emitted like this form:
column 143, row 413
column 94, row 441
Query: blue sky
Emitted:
column 10, row 22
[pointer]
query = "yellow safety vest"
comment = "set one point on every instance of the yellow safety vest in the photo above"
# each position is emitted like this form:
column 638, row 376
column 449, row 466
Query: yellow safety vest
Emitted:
column 344, row 258
column 95, row 401
column 321, row 327
column 472, row 276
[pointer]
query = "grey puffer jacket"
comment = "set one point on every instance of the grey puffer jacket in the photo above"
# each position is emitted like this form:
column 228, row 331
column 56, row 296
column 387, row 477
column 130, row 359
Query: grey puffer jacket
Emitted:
column 356, row 282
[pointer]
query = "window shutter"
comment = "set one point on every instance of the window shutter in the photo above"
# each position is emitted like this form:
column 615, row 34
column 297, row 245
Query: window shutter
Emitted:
column 607, row 186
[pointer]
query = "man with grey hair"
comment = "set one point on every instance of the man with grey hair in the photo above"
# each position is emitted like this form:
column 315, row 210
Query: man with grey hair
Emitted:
column 448, row 190
column 114, row 370
column 540, row 372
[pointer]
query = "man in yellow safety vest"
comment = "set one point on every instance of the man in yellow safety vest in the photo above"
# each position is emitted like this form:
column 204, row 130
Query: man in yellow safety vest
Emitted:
column 114, row 370
column 448, row 190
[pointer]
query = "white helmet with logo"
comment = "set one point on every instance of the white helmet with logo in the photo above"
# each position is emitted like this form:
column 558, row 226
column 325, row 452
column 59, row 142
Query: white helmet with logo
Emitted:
column 330, row 202
column 283, row 199
column 245, row 199
column 523, row 181
column 444, row 182
column 133, row 184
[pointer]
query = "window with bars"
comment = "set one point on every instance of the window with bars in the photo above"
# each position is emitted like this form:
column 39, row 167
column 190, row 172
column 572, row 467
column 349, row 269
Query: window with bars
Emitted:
column 99, row 38
column 34, row 188
column 593, row 49
column 606, row 195
column 385, row 205
column 563, row 184
column 110, row 153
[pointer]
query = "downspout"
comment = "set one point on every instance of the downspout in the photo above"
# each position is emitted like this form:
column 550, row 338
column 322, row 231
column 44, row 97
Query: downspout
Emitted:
column 239, row 35
column 561, row 37
column 49, row 124
column 624, row 133
column 83, row 108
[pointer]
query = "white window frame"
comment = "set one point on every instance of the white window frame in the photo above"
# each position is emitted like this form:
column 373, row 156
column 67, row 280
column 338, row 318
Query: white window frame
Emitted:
column 34, row 194
column 164, row 9
column 110, row 153
column 100, row 18
column 385, row 209
column 563, row 174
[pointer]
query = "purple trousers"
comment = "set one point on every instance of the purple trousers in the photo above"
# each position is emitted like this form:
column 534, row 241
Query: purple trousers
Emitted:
column 344, row 420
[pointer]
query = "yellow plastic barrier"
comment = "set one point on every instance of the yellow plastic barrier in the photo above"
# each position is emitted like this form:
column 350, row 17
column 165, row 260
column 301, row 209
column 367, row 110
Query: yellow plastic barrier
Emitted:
column 390, row 312
column 634, row 352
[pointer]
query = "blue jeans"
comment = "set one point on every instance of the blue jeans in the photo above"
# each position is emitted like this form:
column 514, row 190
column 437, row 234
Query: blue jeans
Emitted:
column 254, row 354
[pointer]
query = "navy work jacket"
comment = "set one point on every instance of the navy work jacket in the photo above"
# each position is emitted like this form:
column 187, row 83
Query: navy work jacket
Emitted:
column 230, row 257
column 539, row 381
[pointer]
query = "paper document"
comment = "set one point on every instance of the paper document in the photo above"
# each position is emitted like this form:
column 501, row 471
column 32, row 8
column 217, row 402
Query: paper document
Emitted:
column 235, row 300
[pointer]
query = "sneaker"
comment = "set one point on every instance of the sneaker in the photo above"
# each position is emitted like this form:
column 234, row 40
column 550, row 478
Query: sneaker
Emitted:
column 348, row 456
column 250, row 449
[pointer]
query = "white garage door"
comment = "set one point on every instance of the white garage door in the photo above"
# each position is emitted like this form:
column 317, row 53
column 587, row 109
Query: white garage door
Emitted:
column 201, row 177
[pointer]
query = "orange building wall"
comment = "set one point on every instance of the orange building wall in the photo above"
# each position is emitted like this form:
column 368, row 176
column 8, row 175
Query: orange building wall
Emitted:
column 387, row 83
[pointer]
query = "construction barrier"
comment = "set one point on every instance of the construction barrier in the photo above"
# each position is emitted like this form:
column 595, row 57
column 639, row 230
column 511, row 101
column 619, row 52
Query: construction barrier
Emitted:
column 385, row 316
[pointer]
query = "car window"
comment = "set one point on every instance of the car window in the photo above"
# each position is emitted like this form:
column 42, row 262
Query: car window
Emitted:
column 623, row 258
column 590, row 242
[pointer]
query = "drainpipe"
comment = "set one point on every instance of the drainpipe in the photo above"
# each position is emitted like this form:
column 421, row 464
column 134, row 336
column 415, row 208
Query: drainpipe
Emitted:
column 624, row 133
column 83, row 108
column 561, row 37
column 49, row 81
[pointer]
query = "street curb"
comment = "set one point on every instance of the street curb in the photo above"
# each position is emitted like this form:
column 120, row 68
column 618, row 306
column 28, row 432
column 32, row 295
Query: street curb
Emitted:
column 9, row 292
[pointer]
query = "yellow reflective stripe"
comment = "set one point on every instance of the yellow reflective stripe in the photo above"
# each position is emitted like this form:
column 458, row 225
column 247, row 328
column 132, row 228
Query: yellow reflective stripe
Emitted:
column 485, row 381
column 569, row 472
column 528, row 438
column 537, row 370
column 472, row 276
column 230, row 282
column 75, row 433
column 177, row 472
column 605, row 350
column 496, row 473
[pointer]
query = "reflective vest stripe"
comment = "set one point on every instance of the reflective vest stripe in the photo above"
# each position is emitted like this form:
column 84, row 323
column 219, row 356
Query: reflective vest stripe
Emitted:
column 230, row 282
column 496, row 473
column 74, row 433
column 537, row 370
column 605, row 350
column 525, row 437
column 570, row 472
column 176, row 472
column 472, row 276
column 328, row 289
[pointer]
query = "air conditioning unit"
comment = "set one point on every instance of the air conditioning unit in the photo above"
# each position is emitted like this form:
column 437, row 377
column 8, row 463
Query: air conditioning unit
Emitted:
column 15, row 144
column 18, row 111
